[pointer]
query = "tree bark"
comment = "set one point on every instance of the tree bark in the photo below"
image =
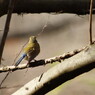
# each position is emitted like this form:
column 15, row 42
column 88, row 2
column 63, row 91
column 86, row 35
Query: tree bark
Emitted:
column 79, row 7
column 66, row 70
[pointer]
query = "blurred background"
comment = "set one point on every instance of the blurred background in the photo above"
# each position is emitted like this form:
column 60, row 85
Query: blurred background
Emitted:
column 64, row 33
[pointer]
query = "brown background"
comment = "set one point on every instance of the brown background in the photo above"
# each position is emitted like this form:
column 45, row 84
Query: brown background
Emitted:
column 64, row 32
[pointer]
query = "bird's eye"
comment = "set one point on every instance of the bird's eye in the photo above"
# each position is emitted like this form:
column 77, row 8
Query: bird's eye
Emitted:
column 34, row 39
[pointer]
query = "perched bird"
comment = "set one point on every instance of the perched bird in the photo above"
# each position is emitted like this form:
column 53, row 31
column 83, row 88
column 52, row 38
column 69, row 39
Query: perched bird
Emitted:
column 31, row 50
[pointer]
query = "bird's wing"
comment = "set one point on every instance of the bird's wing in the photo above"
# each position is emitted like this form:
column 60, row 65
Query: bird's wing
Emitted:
column 29, row 48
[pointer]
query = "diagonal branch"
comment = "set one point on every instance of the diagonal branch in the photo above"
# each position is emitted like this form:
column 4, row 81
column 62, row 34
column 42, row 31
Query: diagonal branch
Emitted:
column 6, row 29
column 66, row 70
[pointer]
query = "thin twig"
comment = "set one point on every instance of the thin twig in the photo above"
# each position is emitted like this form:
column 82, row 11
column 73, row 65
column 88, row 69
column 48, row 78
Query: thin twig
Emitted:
column 10, row 69
column 45, row 25
column 6, row 29
column 90, row 18
column 4, row 79
column 19, row 52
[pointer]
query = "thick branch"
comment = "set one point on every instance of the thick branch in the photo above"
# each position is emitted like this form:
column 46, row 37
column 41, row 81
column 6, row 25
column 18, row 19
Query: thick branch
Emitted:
column 66, row 70
column 48, row 6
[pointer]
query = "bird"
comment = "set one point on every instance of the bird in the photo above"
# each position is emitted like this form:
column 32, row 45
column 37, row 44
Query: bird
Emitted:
column 30, row 51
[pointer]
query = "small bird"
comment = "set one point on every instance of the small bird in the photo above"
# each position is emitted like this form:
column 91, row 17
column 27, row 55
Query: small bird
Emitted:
column 31, row 50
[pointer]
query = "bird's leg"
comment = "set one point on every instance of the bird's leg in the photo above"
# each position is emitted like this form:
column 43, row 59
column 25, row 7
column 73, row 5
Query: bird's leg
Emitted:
column 35, row 60
column 27, row 67
column 28, row 64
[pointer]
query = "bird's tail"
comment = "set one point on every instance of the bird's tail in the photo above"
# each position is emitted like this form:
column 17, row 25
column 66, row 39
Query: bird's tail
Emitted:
column 20, row 59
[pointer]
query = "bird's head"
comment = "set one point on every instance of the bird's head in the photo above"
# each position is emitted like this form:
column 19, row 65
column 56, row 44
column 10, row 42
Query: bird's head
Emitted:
column 32, row 39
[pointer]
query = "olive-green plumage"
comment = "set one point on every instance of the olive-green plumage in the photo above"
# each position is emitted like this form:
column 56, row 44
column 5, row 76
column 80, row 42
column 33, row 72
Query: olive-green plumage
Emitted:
column 31, row 50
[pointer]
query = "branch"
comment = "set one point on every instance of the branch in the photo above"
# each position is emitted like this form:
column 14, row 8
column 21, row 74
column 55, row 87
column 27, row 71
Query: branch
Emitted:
column 6, row 28
column 41, row 62
column 40, row 6
column 90, row 21
column 66, row 70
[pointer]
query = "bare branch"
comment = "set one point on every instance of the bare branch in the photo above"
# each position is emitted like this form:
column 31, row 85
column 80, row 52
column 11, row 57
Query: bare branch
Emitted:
column 90, row 19
column 41, row 62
